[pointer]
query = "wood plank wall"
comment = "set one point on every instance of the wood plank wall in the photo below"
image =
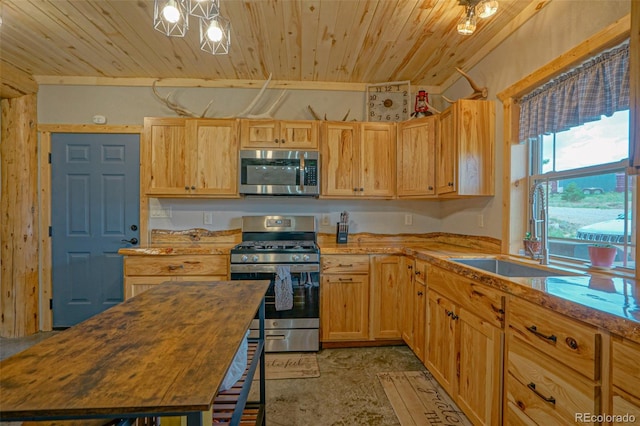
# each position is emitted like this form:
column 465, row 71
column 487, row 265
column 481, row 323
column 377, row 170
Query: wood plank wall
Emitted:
column 19, row 217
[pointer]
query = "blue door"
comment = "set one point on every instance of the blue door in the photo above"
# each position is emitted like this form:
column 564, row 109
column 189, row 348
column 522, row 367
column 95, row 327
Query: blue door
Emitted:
column 94, row 212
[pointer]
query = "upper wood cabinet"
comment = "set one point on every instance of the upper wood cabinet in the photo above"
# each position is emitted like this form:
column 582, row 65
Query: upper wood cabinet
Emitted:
column 465, row 149
column 416, row 157
column 189, row 157
column 278, row 134
column 358, row 159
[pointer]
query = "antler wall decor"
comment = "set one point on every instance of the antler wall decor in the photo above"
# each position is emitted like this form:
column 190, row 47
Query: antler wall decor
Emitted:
column 478, row 92
column 317, row 117
column 246, row 113
column 181, row 111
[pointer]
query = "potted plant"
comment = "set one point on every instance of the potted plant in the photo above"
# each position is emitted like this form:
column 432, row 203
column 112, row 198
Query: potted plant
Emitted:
column 532, row 246
column 602, row 255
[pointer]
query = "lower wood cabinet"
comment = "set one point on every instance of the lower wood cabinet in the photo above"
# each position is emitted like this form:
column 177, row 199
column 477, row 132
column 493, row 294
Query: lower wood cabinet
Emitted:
column 144, row 272
column 361, row 298
column 625, row 381
column 386, row 297
column 344, row 298
column 542, row 390
column 464, row 346
column 414, row 305
column 553, row 368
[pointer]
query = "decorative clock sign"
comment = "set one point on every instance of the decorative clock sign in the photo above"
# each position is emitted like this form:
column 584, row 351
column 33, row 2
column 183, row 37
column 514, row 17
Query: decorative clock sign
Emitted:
column 388, row 101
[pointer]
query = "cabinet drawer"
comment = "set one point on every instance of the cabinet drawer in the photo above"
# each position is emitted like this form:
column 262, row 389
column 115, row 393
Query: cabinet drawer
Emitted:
column 137, row 284
column 348, row 264
column 544, row 390
column 177, row 265
column 571, row 342
column 479, row 299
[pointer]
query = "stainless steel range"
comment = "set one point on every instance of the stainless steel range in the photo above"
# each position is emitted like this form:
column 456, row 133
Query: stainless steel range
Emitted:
column 278, row 248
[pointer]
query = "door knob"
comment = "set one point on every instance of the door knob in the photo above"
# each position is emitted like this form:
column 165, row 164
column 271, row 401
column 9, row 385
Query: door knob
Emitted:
column 133, row 241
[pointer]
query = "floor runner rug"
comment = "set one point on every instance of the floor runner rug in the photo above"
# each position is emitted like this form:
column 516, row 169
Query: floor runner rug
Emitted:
column 291, row 365
column 417, row 399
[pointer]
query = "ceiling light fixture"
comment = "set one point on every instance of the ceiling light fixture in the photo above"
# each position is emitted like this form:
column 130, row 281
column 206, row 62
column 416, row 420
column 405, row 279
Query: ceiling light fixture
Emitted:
column 171, row 17
column 473, row 8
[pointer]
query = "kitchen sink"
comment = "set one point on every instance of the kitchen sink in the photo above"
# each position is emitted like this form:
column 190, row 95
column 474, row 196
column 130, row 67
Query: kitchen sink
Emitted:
column 508, row 268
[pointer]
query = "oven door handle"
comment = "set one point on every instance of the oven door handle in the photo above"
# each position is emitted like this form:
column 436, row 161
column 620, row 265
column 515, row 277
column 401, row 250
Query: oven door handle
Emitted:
column 275, row 337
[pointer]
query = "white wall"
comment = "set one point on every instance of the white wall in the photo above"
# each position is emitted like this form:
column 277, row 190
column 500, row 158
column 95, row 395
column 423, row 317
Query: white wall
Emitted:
column 560, row 26
column 557, row 28
column 386, row 217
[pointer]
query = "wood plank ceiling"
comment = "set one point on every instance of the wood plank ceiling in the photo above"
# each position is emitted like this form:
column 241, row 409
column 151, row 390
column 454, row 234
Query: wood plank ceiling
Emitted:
column 351, row 42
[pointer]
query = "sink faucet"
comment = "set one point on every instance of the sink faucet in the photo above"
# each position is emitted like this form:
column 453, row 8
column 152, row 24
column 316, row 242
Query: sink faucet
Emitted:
column 537, row 200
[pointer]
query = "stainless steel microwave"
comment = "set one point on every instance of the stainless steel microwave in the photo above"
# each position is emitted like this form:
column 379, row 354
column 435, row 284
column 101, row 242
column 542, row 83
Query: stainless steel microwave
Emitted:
column 279, row 173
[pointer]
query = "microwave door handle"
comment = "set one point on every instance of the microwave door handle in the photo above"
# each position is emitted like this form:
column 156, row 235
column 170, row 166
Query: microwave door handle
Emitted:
column 302, row 173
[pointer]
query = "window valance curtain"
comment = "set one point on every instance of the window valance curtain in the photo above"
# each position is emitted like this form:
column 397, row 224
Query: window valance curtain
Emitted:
column 598, row 87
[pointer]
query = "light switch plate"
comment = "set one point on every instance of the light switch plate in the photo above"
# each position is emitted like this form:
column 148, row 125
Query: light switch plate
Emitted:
column 208, row 218
column 159, row 213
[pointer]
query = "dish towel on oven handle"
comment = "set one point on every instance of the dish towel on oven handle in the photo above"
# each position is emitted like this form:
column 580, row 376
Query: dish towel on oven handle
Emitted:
column 283, row 289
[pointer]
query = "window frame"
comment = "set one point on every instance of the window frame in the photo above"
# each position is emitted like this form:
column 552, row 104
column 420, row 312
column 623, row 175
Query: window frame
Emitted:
column 515, row 160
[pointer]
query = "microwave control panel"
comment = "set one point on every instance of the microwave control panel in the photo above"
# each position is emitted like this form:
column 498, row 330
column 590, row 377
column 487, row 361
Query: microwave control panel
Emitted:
column 311, row 173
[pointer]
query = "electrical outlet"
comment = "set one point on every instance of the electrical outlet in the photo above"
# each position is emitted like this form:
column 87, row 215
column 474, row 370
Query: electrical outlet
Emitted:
column 408, row 219
column 480, row 220
column 208, row 218
column 159, row 213
column 325, row 220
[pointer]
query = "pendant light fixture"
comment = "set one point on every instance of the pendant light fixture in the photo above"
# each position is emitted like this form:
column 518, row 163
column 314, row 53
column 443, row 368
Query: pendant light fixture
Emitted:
column 475, row 8
column 215, row 35
column 171, row 17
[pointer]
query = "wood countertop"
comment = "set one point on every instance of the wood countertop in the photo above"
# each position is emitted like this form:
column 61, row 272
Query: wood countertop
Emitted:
column 164, row 351
column 603, row 300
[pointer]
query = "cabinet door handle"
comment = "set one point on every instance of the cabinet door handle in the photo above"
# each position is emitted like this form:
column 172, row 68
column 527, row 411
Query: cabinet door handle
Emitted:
column 174, row 267
column 186, row 188
column 419, row 293
column 430, row 188
column 449, row 313
column 535, row 331
column 361, row 189
column 417, row 272
column 276, row 140
column 345, row 266
column 550, row 399
column 450, row 184
column 282, row 141
column 345, row 279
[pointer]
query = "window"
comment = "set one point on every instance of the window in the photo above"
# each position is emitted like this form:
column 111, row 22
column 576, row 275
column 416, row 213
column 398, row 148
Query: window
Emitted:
column 589, row 194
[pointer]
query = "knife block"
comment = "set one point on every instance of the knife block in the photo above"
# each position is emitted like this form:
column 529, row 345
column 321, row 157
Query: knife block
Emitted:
column 342, row 233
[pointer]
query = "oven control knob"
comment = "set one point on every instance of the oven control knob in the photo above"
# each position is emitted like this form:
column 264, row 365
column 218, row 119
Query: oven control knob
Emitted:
column 244, row 258
column 295, row 257
column 254, row 258
column 305, row 257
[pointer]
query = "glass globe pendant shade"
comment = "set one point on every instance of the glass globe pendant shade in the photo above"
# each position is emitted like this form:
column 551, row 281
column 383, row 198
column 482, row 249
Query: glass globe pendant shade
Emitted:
column 170, row 17
column 204, row 8
column 215, row 35
column 467, row 23
column 486, row 8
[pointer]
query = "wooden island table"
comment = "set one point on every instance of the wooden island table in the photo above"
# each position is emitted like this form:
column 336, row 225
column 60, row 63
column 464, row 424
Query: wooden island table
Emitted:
column 164, row 352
